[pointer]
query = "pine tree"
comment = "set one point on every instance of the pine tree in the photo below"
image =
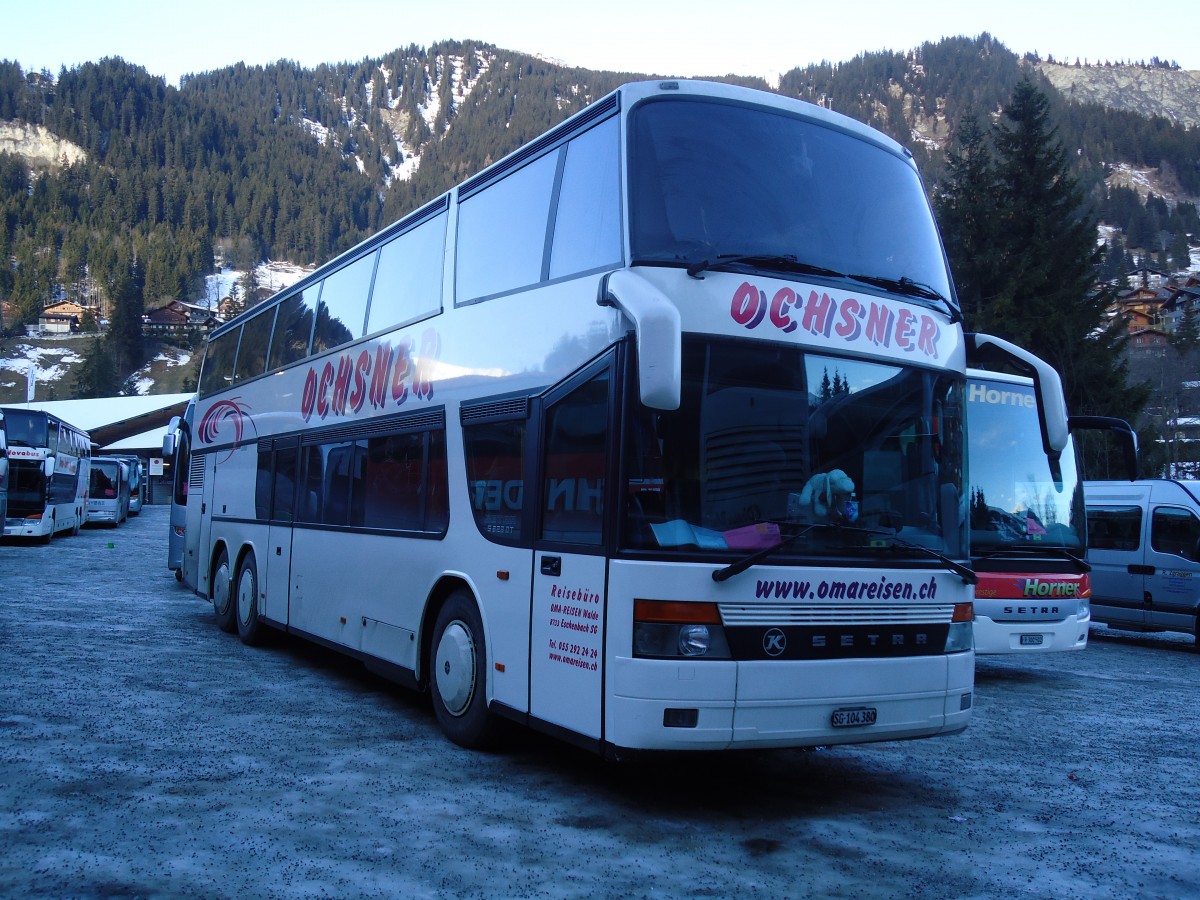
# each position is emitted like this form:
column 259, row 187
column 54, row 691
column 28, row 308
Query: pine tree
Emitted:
column 966, row 210
column 1030, row 257
column 97, row 374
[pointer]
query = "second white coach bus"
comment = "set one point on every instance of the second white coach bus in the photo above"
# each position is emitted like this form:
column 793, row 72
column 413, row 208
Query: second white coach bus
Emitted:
column 1028, row 527
column 49, row 464
column 650, row 436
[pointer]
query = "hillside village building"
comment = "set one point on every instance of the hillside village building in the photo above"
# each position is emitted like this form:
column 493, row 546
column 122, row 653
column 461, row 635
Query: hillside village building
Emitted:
column 178, row 319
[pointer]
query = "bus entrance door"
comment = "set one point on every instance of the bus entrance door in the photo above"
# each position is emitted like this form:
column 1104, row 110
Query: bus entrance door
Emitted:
column 566, row 671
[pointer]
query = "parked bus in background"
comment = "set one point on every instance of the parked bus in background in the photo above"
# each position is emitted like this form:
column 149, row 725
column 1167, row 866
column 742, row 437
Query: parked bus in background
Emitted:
column 649, row 436
column 109, row 500
column 3, row 470
column 1028, row 526
column 177, row 443
column 137, row 486
column 48, row 463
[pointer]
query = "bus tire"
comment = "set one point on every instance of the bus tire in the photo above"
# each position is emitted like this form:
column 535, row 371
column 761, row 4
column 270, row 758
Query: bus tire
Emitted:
column 249, row 626
column 222, row 594
column 458, row 676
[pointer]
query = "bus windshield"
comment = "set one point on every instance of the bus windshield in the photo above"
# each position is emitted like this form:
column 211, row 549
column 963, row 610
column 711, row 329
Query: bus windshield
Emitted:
column 770, row 440
column 1019, row 499
column 713, row 182
column 26, row 429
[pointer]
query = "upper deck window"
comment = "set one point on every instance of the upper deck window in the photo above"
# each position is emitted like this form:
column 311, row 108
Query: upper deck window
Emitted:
column 587, row 223
column 343, row 310
column 408, row 284
column 293, row 328
column 502, row 232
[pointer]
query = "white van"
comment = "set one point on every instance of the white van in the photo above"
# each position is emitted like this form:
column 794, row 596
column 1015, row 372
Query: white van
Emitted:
column 1144, row 548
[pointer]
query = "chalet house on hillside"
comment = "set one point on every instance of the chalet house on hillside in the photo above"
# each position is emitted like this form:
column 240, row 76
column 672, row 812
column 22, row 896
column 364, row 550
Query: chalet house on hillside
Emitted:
column 178, row 319
column 62, row 318
column 1148, row 339
column 1183, row 299
column 1156, row 305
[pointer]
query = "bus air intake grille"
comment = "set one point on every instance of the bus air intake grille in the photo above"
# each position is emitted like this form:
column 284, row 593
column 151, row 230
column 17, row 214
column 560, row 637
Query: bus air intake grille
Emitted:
column 768, row 614
column 196, row 474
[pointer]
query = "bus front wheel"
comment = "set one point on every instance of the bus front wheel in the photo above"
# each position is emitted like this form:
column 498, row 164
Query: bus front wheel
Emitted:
column 222, row 594
column 249, row 626
column 459, row 673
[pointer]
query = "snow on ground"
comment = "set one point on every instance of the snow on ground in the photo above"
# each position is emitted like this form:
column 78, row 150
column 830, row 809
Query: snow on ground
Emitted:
column 170, row 356
column 48, row 363
column 273, row 275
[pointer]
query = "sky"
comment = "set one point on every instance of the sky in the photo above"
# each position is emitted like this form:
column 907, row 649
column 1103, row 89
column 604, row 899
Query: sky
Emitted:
column 700, row 37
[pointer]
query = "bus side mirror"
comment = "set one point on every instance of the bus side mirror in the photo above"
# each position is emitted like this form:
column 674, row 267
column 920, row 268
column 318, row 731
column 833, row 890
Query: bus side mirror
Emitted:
column 171, row 437
column 1052, row 405
column 1119, row 428
column 658, row 332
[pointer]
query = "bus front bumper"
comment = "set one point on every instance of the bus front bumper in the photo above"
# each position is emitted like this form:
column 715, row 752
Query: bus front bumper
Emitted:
column 785, row 703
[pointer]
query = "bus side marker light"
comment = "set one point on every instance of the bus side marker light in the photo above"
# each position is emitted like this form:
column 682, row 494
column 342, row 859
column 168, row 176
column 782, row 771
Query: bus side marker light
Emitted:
column 502, row 575
column 499, row 667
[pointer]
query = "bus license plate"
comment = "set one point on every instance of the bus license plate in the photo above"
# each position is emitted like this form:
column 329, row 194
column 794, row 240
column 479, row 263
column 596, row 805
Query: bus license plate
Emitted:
column 851, row 718
column 1031, row 640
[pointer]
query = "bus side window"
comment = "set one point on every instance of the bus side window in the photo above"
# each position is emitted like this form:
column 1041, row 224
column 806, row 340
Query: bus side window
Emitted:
column 576, row 461
column 495, row 454
column 262, row 484
column 339, row 473
column 310, row 487
column 392, row 482
column 283, row 499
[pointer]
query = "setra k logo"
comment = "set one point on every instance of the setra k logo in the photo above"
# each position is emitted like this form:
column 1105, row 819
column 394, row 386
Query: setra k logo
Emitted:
column 774, row 642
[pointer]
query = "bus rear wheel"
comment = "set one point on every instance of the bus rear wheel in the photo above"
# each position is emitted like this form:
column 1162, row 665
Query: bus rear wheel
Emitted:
column 222, row 594
column 249, row 626
column 458, row 679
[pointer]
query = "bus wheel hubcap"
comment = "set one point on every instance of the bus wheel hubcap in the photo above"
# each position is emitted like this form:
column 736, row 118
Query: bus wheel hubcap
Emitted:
column 454, row 668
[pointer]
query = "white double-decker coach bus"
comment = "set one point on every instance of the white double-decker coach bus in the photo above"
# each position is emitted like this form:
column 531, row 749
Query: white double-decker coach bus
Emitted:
column 650, row 436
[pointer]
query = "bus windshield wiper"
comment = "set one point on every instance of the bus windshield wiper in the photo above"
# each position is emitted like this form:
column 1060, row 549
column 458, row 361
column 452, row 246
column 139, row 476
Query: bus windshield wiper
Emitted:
column 966, row 574
column 746, row 562
column 1025, row 552
column 909, row 288
column 785, row 262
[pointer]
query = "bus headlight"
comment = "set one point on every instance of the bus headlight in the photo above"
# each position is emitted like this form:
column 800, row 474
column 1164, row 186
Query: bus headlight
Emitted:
column 693, row 640
column 961, row 636
column 1085, row 609
column 668, row 629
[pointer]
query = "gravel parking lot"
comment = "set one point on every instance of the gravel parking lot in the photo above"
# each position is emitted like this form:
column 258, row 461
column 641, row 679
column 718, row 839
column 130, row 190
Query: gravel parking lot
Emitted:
column 144, row 753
